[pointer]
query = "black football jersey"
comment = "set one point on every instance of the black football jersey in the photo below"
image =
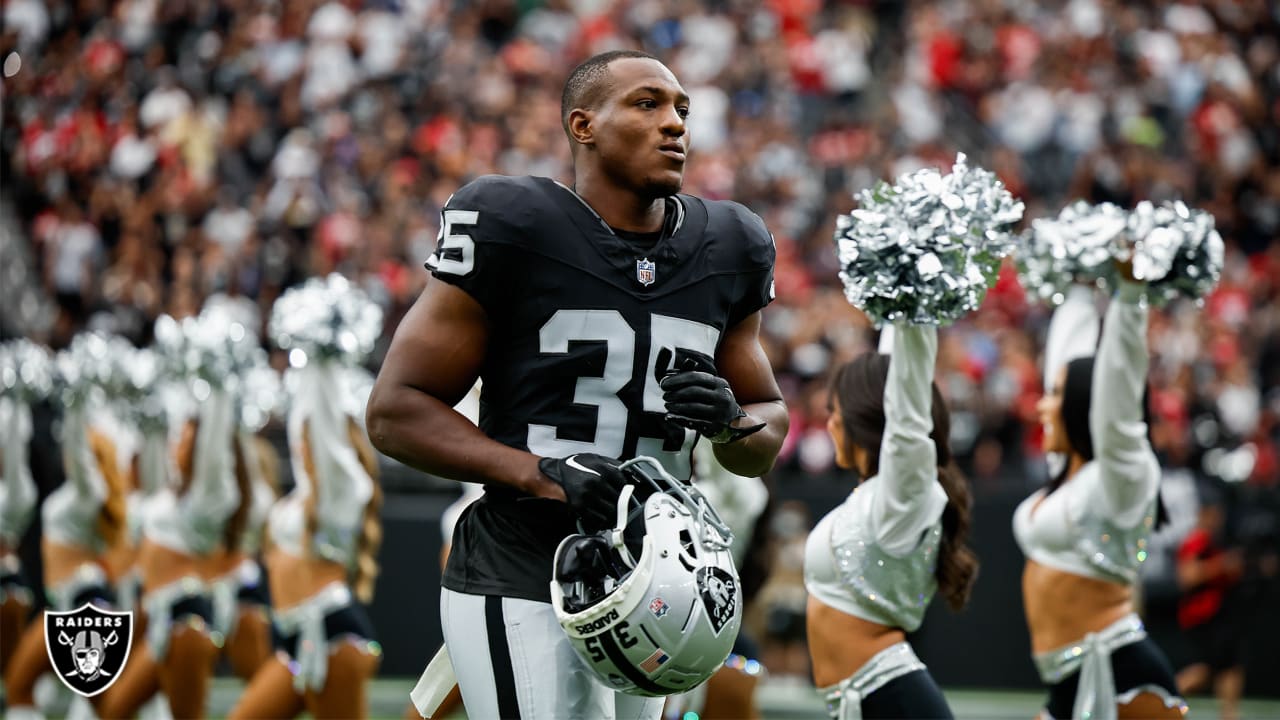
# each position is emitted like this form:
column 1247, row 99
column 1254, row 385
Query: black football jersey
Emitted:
column 581, row 323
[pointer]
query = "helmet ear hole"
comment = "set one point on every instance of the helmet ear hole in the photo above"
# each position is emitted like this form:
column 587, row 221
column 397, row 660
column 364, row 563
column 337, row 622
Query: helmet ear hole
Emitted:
column 686, row 542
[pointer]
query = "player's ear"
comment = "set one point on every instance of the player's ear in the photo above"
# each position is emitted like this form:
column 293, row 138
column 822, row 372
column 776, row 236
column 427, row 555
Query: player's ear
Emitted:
column 580, row 128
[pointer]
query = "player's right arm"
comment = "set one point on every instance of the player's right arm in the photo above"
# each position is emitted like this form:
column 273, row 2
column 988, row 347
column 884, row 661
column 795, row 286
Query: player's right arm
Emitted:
column 437, row 351
column 433, row 361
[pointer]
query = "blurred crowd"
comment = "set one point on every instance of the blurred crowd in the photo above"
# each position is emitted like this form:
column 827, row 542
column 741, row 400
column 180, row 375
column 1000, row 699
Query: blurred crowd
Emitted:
column 157, row 152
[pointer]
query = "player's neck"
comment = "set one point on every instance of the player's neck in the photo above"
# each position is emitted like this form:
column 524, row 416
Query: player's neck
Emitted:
column 623, row 209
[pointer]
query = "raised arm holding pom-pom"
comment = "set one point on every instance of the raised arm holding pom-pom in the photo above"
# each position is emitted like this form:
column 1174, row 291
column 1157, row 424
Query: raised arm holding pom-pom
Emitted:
column 1084, row 534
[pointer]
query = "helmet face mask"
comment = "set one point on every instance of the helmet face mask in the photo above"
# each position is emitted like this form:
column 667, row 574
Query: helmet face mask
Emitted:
column 662, row 623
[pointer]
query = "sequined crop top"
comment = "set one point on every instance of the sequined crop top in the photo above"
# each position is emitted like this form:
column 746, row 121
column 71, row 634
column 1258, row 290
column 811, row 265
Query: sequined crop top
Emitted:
column 874, row 555
column 17, row 488
column 194, row 522
column 342, row 485
column 1098, row 522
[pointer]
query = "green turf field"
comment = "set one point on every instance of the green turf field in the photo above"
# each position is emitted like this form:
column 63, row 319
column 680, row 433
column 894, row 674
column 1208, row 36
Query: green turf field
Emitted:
column 792, row 701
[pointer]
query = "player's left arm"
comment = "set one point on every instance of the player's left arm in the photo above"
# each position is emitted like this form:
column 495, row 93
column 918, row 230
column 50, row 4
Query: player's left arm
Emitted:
column 742, row 362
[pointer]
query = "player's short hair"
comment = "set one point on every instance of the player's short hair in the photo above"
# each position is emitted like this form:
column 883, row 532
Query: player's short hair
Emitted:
column 582, row 89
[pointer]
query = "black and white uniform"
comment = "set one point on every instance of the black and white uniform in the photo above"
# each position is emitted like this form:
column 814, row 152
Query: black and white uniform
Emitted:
column 1097, row 524
column 580, row 318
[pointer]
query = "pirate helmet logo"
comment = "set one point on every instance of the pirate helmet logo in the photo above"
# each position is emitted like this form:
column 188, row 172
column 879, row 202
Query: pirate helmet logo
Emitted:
column 88, row 646
column 718, row 590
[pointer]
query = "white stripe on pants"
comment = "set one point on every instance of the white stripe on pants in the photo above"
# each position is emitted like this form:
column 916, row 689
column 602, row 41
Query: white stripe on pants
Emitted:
column 550, row 680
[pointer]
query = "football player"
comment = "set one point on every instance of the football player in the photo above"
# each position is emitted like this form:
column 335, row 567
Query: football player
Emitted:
column 610, row 319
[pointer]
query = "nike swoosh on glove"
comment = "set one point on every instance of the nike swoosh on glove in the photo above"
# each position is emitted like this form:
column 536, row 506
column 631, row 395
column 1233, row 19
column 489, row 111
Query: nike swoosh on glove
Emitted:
column 699, row 399
column 591, row 485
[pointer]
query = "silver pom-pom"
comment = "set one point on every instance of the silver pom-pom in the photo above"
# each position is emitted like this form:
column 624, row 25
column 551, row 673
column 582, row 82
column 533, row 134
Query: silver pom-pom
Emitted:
column 141, row 401
column 237, row 309
column 213, row 351
column 926, row 248
column 326, row 318
column 26, row 371
column 93, row 369
column 1075, row 247
column 1175, row 250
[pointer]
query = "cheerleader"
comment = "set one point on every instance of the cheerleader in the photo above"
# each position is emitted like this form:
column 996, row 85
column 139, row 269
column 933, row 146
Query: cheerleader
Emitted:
column 874, row 562
column 1084, row 535
column 238, row 586
column 17, row 497
column 83, row 520
column 187, row 524
column 323, row 536
column 241, row 602
column 150, row 471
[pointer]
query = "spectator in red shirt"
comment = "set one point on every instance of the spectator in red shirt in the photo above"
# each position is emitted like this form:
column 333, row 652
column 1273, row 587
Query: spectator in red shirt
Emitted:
column 1208, row 573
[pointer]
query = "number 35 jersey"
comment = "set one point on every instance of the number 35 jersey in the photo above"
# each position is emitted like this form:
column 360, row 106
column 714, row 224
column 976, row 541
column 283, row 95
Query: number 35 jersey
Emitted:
column 582, row 324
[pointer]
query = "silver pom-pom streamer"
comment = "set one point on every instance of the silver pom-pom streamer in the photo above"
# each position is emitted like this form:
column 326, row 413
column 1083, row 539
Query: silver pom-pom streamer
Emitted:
column 350, row 392
column 26, row 371
column 326, row 318
column 926, row 248
column 1175, row 250
column 1075, row 247
column 358, row 385
column 262, row 396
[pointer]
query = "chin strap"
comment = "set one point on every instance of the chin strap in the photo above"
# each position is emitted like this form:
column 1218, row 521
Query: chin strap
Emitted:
column 616, row 535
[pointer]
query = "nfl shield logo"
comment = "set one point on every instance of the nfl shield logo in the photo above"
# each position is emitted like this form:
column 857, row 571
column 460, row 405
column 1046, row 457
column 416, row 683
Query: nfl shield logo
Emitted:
column 659, row 607
column 88, row 646
column 646, row 271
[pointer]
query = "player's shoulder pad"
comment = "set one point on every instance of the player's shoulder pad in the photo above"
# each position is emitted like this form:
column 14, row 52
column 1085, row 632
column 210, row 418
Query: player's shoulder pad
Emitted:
column 506, row 204
column 733, row 223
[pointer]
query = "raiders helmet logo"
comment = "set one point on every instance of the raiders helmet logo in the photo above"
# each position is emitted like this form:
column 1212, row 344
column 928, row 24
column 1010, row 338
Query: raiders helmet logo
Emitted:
column 88, row 646
column 719, row 593
column 646, row 271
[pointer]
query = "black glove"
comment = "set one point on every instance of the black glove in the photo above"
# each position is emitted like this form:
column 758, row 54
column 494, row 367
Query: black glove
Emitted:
column 591, row 485
column 699, row 399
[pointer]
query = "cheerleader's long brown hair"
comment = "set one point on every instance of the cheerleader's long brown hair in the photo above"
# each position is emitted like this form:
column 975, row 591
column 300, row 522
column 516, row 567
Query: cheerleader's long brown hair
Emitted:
column 860, row 386
column 112, row 524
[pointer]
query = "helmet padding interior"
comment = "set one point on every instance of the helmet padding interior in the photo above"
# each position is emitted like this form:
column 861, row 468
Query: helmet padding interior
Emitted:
column 588, row 567
column 588, row 570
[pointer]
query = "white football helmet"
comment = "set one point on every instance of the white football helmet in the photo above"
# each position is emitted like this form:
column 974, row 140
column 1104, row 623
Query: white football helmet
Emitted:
column 664, row 623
